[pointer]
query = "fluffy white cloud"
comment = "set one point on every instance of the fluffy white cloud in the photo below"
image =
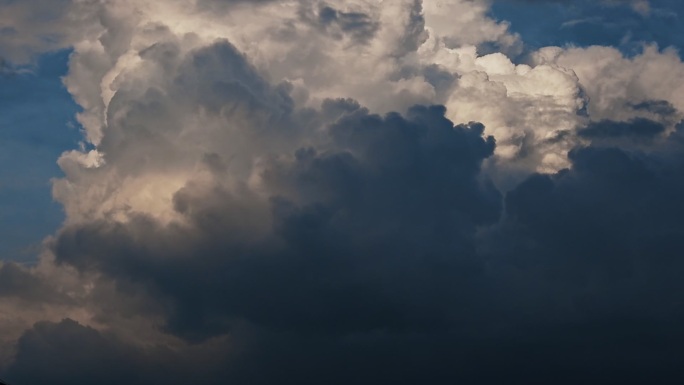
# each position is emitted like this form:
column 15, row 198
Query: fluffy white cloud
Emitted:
column 614, row 84
column 133, row 81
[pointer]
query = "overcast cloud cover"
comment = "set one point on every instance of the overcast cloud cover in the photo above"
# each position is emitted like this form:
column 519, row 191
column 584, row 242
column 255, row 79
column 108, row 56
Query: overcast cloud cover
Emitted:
column 342, row 192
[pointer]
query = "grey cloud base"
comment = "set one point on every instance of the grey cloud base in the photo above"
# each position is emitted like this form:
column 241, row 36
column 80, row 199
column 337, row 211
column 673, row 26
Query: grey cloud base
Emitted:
column 375, row 271
column 362, row 239
column 564, row 355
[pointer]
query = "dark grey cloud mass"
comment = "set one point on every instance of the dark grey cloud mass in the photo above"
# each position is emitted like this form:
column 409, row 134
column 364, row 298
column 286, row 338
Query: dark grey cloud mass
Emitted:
column 639, row 129
column 378, row 270
column 16, row 282
column 363, row 238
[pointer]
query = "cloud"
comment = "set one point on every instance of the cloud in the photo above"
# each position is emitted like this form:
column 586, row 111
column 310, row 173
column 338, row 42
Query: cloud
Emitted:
column 18, row 282
column 607, row 228
column 289, row 189
column 28, row 28
column 331, row 228
column 30, row 294
column 639, row 130
column 67, row 352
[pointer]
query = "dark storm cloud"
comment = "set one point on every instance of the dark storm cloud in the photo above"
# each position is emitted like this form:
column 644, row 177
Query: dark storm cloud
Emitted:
column 582, row 277
column 57, row 350
column 384, row 252
column 367, row 236
column 18, row 282
column 605, row 235
column 379, row 253
column 68, row 353
column 639, row 128
column 375, row 262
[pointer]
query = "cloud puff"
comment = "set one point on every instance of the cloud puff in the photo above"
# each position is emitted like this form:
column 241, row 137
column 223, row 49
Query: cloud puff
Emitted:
column 614, row 83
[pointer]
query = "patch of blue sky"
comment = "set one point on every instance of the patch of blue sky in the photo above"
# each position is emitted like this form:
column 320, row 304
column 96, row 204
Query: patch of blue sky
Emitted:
column 37, row 124
column 584, row 23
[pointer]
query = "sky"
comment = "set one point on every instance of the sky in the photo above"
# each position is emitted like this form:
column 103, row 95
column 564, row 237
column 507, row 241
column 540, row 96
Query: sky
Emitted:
column 341, row 191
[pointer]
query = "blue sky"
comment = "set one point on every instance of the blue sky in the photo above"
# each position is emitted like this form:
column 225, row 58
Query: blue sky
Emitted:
column 586, row 22
column 37, row 124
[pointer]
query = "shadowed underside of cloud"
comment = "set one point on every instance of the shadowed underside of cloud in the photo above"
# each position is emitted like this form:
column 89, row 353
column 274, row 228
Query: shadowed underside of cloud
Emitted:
column 609, row 227
column 381, row 358
column 362, row 238
column 637, row 130
column 373, row 262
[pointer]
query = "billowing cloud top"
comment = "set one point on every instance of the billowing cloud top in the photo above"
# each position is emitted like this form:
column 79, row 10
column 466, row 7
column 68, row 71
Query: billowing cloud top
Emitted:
column 359, row 191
